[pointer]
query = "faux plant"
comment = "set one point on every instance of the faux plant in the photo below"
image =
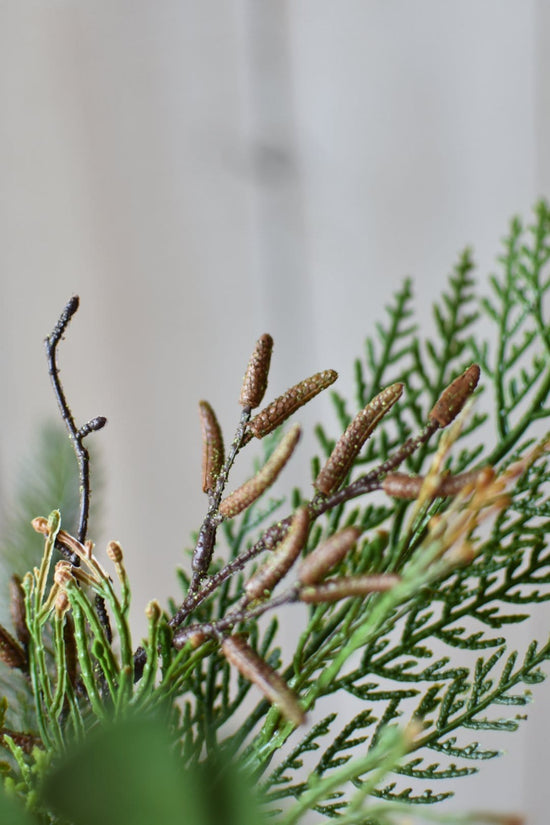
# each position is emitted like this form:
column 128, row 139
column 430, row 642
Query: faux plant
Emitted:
column 413, row 551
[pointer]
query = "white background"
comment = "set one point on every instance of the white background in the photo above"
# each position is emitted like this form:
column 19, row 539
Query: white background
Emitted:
column 202, row 172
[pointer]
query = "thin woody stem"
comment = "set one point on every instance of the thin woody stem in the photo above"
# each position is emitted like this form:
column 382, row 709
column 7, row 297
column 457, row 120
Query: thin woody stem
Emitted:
column 77, row 436
column 218, row 628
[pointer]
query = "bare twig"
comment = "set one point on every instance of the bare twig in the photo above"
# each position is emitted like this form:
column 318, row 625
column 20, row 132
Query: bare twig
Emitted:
column 77, row 436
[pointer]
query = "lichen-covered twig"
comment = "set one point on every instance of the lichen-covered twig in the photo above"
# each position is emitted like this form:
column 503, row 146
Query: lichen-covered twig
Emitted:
column 76, row 434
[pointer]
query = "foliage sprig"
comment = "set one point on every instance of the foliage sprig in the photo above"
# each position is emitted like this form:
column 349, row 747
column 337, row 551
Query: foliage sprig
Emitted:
column 452, row 550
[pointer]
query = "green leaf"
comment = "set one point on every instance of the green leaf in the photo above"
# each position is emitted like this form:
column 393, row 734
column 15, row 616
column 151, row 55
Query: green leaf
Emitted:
column 129, row 773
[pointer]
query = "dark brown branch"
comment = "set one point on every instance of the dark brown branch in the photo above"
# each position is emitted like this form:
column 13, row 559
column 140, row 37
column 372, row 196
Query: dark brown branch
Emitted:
column 217, row 629
column 77, row 436
column 329, row 591
column 320, row 504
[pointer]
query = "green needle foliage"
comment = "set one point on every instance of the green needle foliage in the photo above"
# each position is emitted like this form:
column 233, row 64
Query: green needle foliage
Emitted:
column 423, row 539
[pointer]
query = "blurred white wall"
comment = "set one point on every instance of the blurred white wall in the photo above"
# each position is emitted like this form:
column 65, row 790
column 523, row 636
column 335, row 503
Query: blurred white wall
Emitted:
column 203, row 172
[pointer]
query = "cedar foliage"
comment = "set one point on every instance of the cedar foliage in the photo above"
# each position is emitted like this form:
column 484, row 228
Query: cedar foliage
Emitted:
column 426, row 659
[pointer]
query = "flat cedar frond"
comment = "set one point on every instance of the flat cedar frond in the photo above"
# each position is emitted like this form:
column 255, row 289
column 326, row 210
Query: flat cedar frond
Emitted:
column 516, row 359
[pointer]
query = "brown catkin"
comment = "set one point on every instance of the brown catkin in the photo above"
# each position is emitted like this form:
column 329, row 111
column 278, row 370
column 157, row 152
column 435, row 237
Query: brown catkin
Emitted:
column 239, row 653
column 343, row 588
column 212, row 446
column 11, row 652
column 327, row 555
column 255, row 378
column 17, row 609
column 348, row 446
column 453, row 398
column 285, row 405
column 401, row 485
column 243, row 496
column 281, row 559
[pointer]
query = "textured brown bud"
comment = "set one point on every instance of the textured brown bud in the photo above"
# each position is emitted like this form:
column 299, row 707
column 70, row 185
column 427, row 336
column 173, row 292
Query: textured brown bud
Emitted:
column 62, row 574
column 401, row 485
column 255, row 379
column 327, row 555
column 252, row 489
column 40, row 524
column 281, row 559
column 114, row 552
column 453, row 398
column 256, row 670
column 285, row 405
column 11, row 652
column 212, row 446
column 17, row 609
column 347, row 448
column 343, row 588
column 153, row 611
column 61, row 603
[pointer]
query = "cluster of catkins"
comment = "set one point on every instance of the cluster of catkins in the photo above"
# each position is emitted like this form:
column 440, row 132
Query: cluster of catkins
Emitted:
column 285, row 541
